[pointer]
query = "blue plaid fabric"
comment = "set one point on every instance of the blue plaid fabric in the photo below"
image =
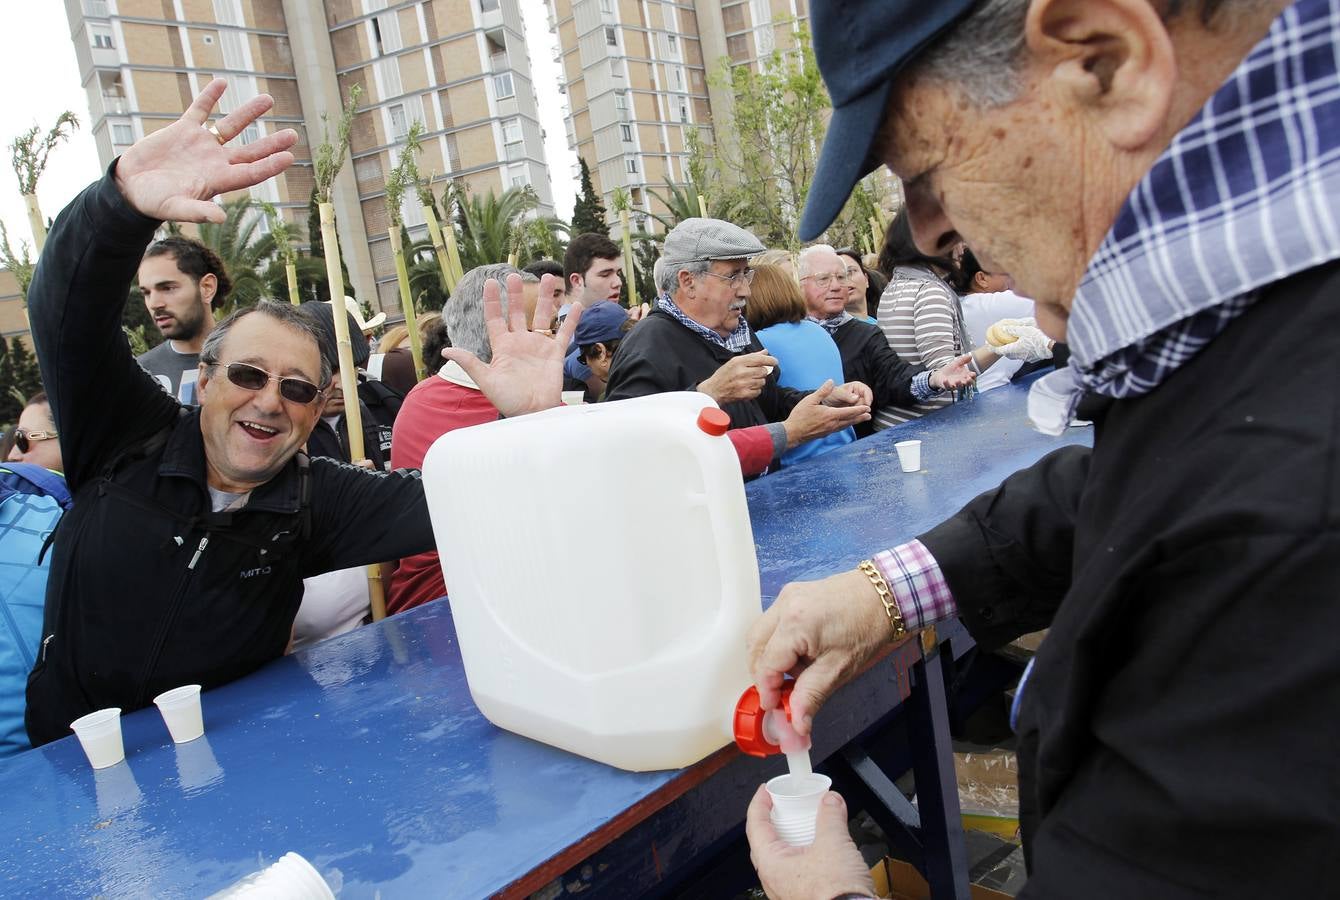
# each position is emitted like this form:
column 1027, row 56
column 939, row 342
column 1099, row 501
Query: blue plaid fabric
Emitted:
column 739, row 339
column 832, row 323
column 1246, row 195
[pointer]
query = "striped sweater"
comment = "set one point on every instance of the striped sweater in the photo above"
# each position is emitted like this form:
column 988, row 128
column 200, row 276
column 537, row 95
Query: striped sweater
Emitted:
column 923, row 323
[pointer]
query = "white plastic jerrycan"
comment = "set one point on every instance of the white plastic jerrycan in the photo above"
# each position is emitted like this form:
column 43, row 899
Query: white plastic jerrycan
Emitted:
column 602, row 576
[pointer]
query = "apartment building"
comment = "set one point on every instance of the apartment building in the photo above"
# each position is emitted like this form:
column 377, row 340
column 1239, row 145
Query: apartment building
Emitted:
column 13, row 319
column 638, row 80
column 459, row 67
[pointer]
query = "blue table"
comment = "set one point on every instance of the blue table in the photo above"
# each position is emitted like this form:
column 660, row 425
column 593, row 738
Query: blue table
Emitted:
column 366, row 755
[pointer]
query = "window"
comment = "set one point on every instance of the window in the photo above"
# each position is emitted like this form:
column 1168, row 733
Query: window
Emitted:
column 399, row 124
column 102, row 38
column 621, row 103
column 631, row 165
column 616, row 70
column 249, row 134
column 673, row 41
column 683, row 109
column 96, row 8
column 611, row 36
column 511, row 131
column 679, row 78
column 627, row 133
column 502, row 86
column 122, row 134
column 519, row 176
column 488, row 5
column 607, row 6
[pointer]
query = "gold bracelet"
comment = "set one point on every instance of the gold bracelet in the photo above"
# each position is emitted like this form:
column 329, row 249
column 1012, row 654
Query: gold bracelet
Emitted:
column 886, row 597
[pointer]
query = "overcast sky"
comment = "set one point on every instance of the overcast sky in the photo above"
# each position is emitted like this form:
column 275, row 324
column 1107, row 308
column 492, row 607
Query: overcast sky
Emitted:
column 41, row 79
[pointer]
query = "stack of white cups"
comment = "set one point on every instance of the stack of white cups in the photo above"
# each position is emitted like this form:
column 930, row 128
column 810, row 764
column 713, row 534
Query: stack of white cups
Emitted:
column 795, row 806
column 291, row 878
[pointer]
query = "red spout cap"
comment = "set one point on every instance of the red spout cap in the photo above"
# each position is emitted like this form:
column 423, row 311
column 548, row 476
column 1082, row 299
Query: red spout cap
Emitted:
column 749, row 714
column 715, row 422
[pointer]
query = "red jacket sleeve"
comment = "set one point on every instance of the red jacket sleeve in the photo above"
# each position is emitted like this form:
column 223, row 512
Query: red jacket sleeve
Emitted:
column 754, row 446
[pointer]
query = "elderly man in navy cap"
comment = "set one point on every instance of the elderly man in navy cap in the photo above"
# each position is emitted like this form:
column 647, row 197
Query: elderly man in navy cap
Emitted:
column 1163, row 179
column 697, row 338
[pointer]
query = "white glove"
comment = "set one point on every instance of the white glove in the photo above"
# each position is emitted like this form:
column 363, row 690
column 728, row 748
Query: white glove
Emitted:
column 1029, row 344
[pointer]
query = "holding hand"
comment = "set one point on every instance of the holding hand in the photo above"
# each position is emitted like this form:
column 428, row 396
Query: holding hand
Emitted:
column 173, row 174
column 829, row 867
column 741, row 378
column 814, row 417
column 1029, row 343
column 526, row 373
column 821, row 632
column 853, row 393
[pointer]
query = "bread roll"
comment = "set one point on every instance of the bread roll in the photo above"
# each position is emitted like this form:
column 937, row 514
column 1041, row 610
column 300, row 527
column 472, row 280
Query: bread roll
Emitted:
column 997, row 336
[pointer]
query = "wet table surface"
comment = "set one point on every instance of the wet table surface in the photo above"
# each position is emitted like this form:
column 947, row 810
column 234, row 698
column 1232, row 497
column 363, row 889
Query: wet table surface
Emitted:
column 366, row 755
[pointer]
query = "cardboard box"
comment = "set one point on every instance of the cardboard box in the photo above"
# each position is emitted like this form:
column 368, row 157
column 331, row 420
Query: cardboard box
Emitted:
column 988, row 792
column 901, row 881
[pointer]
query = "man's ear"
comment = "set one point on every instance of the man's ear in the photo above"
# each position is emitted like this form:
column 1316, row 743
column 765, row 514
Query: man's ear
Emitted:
column 209, row 286
column 981, row 281
column 1111, row 59
column 202, row 381
column 576, row 282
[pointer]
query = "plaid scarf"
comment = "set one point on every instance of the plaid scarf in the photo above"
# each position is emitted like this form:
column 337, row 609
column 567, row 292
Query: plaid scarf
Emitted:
column 832, row 323
column 1246, row 195
column 739, row 339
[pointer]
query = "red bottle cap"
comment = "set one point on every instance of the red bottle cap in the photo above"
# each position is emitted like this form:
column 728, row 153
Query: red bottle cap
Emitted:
column 749, row 715
column 715, row 422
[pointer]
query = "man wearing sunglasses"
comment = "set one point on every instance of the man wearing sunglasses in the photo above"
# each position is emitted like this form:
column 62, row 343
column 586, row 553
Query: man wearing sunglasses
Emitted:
column 182, row 558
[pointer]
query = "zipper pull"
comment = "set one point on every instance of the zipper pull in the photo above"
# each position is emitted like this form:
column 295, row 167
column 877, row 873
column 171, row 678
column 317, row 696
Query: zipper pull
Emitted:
column 46, row 640
column 204, row 542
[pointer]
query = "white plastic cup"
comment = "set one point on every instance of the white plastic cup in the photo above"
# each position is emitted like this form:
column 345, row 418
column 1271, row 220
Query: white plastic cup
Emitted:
column 574, row 398
column 795, row 806
column 909, row 455
column 181, row 711
column 290, row 878
column 99, row 734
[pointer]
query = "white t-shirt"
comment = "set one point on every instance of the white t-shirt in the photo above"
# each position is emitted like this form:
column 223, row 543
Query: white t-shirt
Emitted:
column 332, row 604
column 980, row 312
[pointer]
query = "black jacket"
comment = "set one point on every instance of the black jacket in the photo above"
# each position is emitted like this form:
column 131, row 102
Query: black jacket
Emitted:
column 868, row 358
column 148, row 588
column 333, row 442
column 1177, row 730
column 661, row 355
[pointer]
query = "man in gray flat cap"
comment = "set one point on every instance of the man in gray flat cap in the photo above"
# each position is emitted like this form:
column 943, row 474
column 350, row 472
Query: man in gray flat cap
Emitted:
column 698, row 340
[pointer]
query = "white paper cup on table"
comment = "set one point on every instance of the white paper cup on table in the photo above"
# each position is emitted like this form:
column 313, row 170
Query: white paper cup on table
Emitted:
column 795, row 806
column 181, row 711
column 99, row 734
column 291, row 878
column 574, row 398
column 909, row 455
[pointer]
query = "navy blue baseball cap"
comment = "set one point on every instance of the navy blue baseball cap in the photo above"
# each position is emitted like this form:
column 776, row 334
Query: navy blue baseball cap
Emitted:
column 860, row 46
column 602, row 323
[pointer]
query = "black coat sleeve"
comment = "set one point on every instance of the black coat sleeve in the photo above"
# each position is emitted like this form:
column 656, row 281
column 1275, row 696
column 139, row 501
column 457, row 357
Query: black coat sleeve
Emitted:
column 100, row 397
column 360, row 517
column 886, row 373
column 1007, row 555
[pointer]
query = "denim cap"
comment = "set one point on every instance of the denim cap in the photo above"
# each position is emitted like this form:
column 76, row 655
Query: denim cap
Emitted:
column 699, row 239
column 601, row 323
column 861, row 46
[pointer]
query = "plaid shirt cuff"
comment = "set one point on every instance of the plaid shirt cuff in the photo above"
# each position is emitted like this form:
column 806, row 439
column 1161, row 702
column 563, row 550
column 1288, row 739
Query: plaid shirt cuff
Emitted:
column 921, row 387
column 918, row 586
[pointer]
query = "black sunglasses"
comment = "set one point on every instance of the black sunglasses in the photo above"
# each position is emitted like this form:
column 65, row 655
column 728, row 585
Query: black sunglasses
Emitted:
column 25, row 439
column 251, row 378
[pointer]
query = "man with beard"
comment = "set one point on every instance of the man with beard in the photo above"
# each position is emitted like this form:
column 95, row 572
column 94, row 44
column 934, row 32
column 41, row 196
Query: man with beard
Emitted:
column 182, row 282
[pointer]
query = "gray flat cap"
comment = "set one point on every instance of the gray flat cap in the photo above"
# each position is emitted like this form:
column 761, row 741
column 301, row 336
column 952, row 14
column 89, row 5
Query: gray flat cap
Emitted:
column 695, row 239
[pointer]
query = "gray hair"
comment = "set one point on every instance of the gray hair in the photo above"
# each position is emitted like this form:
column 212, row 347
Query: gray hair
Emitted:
column 983, row 53
column 285, row 314
column 803, row 263
column 668, row 282
column 464, row 311
column 529, row 277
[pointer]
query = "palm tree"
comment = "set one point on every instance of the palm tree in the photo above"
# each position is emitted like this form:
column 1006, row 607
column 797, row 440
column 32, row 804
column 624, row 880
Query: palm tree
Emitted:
column 244, row 250
column 491, row 227
column 681, row 202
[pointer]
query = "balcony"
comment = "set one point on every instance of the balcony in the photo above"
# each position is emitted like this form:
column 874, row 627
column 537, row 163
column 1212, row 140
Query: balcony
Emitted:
column 113, row 104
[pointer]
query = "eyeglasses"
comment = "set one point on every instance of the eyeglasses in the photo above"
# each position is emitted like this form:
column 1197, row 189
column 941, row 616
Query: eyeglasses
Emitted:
column 852, row 272
column 25, row 439
column 739, row 279
column 251, row 378
column 824, row 279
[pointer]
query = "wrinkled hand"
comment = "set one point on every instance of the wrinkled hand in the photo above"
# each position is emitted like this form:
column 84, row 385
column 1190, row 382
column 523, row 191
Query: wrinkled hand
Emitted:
column 526, row 374
column 853, row 393
column 173, row 174
column 741, row 378
column 821, row 632
column 814, row 417
column 1032, row 345
column 954, row 375
column 829, row 867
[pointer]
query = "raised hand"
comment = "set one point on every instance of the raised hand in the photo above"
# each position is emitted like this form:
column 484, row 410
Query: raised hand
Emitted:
column 174, row 173
column 526, row 372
